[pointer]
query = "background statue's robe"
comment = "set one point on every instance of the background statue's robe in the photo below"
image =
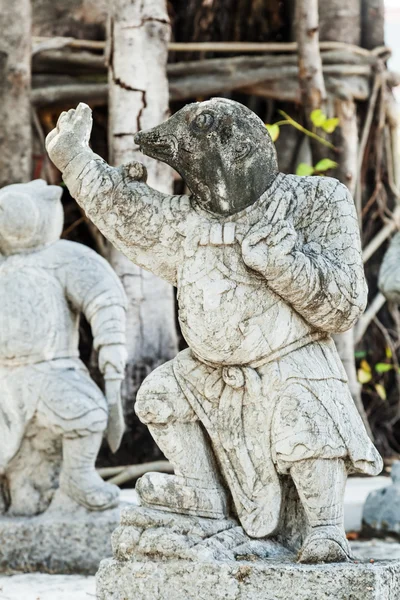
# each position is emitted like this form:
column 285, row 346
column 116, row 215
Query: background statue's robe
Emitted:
column 45, row 284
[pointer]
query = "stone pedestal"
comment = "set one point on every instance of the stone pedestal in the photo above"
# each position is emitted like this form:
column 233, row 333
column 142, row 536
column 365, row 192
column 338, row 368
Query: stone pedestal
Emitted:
column 67, row 538
column 164, row 556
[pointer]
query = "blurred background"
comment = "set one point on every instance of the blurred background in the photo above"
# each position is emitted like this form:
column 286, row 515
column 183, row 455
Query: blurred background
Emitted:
column 135, row 61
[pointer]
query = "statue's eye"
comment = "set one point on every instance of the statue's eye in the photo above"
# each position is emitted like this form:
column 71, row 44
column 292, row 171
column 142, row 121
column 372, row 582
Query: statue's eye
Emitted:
column 242, row 150
column 203, row 122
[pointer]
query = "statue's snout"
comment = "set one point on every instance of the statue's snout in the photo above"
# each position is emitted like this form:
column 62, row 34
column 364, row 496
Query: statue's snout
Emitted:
column 157, row 142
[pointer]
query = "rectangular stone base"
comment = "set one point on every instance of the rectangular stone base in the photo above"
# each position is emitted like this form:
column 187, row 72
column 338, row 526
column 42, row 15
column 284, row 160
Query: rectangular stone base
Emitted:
column 69, row 540
column 258, row 580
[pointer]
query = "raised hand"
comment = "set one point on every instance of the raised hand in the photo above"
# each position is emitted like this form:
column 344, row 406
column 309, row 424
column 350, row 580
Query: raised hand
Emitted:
column 71, row 135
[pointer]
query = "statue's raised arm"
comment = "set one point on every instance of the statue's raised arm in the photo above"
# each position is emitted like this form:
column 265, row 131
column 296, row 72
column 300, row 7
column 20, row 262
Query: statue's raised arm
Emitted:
column 140, row 221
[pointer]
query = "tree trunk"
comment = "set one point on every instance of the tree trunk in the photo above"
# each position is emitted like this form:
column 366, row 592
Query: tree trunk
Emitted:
column 373, row 23
column 341, row 21
column 15, row 83
column 138, row 37
column 311, row 77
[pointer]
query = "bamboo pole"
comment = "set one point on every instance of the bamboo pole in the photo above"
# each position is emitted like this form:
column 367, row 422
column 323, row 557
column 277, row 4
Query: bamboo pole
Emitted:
column 42, row 43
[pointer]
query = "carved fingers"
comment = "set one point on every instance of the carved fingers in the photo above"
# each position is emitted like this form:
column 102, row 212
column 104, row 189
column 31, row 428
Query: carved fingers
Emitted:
column 70, row 136
column 265, row 245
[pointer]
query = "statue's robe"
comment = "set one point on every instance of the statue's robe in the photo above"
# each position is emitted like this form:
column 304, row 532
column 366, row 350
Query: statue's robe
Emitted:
column 262, row 372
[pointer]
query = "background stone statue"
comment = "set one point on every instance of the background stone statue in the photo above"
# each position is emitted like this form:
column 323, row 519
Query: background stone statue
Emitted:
column 47, row 397
column 389, row 274
column 267, row 267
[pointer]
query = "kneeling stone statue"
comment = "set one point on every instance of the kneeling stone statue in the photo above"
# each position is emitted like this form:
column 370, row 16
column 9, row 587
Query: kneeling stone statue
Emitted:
column 267, row 267
column 46, row 393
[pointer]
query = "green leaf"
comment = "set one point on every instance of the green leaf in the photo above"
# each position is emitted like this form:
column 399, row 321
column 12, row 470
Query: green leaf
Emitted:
column 383, row 367
column 303, row 169
column 388, row 352
column 330, row 125
column 317, row 117
column 325, row 164
column 360, row 354
column 273, row 131
column 363, row 376
column 380, row 391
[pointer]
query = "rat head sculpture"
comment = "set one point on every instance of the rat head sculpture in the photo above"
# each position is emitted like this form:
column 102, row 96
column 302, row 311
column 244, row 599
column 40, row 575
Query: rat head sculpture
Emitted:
column 221, row 149
column 31, row 216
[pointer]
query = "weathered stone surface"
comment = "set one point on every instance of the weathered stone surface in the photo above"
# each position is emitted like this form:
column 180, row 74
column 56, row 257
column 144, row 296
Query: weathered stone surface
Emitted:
column 381, row 514
column 272, row 580
column 67, row 540
column 154, row 535
column 49, row 405
column 256, row 415
column 165, row 556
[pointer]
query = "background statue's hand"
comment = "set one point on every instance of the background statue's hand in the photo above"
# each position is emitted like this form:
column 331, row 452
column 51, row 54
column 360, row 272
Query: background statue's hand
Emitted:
column 71, row 135
column 112, row 361
column 116, row 423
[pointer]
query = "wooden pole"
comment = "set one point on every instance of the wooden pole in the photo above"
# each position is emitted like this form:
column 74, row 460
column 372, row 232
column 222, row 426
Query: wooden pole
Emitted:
column 15, row 83
column 138, row 99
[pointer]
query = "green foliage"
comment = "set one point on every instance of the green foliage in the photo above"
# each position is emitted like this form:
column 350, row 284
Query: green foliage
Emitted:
column 330, row 125
column 273, row 131
column 373, row 379
column 304, row 169
column 324, row 165
column 319, row 119
column 383, row 367
column 321, row 167
column 380, row 390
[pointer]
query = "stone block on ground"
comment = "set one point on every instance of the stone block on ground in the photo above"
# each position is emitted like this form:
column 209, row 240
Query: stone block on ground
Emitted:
column 381, row 514
column 65, row 539
column 164, row 556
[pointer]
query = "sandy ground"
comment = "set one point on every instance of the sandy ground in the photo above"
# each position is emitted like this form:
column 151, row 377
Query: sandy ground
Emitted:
column 47, row 587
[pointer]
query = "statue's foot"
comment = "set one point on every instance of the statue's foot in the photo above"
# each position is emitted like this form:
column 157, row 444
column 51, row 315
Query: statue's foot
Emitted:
column 325, row 544
column 90, row 491
column 168, row 493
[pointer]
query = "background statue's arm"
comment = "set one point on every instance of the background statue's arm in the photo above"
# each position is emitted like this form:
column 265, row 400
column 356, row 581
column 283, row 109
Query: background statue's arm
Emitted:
column 317, row 265
column 140, row 221
column 93, row 288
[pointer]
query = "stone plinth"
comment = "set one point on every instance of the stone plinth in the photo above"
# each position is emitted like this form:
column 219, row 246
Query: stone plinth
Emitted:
column 68, row 540
column 259, row 580
column 163, row 556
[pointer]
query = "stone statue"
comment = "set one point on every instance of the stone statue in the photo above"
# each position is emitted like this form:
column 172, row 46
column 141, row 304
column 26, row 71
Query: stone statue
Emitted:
column 267, row 267
column 389, row 274
column 381, row 513
column 46, row 393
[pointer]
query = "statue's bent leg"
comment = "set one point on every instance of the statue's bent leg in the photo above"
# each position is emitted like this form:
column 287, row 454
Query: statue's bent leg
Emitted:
column 196, row 487
column 308, row 446
column 79, row 479
column 321, row 484
column 74, row 407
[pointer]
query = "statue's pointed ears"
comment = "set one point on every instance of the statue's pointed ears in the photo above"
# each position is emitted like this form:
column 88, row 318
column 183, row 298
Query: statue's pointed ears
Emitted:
column 40, row 187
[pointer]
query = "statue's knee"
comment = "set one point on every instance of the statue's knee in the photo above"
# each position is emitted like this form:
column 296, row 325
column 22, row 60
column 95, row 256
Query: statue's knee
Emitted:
column 160, row 399
column 153, row 409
